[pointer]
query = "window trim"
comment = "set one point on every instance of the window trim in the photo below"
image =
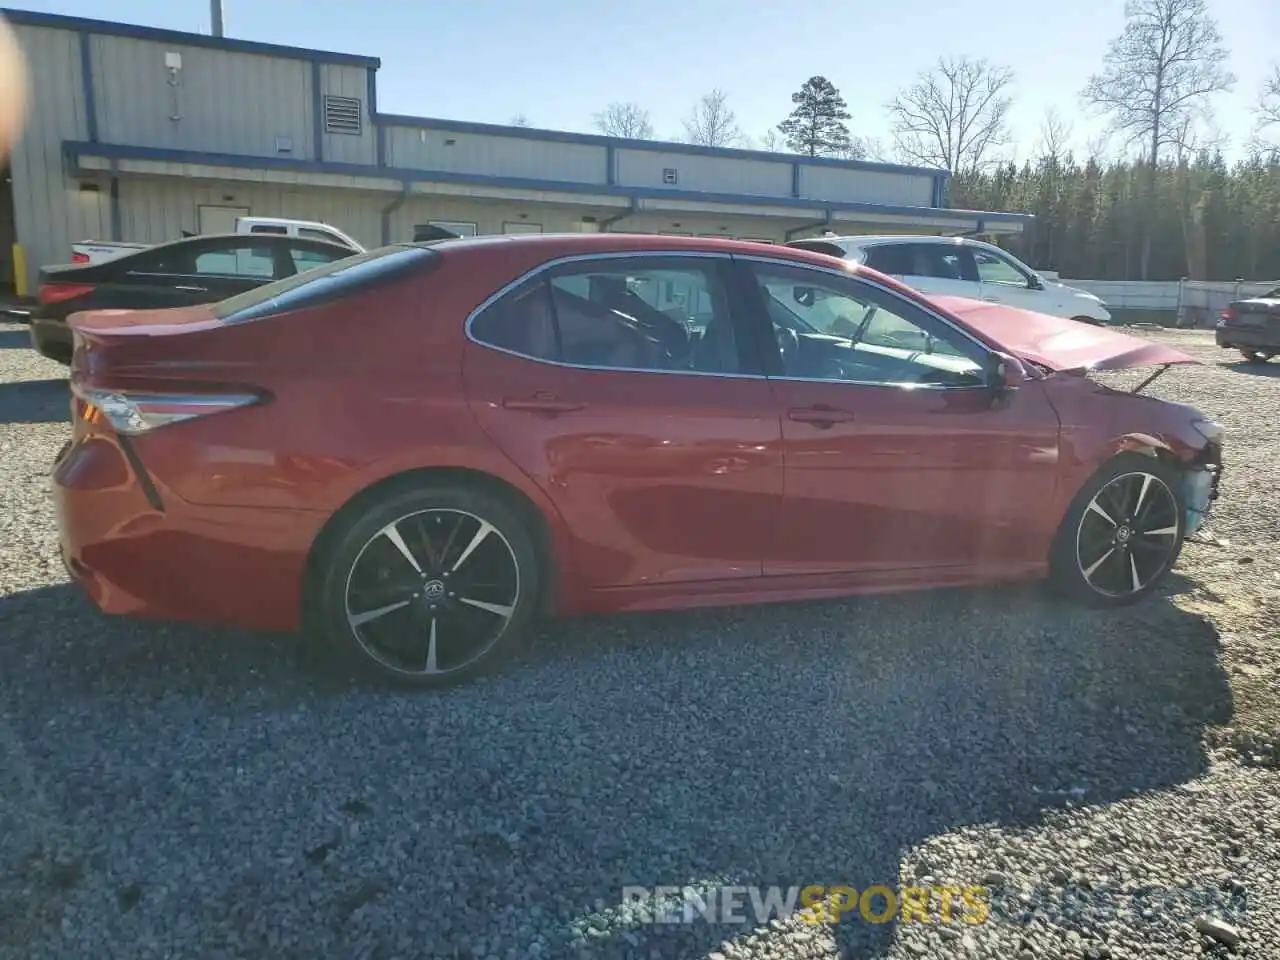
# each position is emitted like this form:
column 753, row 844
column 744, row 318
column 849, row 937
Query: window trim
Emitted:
column 986, row 349
column 763, row 325
column 543, row 271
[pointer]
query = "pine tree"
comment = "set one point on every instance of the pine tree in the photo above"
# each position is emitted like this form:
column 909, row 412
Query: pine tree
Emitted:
column 816, row 126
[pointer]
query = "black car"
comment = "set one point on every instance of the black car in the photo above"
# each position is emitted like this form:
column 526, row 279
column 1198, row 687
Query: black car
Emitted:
column 1252, row 326
column 183, row 273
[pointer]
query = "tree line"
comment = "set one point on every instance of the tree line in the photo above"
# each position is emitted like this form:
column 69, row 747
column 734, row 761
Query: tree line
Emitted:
column 1151, row 199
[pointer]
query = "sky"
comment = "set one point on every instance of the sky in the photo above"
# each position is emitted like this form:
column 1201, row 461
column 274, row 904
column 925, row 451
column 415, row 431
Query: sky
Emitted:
column 559, row 62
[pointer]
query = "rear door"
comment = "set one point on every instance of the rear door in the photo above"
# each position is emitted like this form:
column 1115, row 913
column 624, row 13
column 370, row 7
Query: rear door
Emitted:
column 944, row 269
column 624, row 387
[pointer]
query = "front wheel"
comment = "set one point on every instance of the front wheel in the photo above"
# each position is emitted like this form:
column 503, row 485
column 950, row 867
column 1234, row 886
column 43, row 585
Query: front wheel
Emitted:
column 1253, row 356
column 1122, row 534
column 428, row 586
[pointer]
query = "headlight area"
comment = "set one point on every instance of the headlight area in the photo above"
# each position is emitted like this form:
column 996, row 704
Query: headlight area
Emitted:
column 1203, row 476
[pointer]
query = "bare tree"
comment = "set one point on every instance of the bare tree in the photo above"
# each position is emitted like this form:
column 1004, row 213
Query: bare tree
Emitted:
column 627, row 120
column 519, row 120
column 1099, row 147
column 1158, row 75
column 1269, row 103
column 955, row 115
column 1156, row 82
column 770, row 141
column 712, row 123
column 856, row 150
column 1055, row 137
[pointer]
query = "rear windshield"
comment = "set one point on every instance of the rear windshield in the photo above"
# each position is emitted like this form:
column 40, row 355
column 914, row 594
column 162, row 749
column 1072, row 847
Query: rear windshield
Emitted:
column 340, row 278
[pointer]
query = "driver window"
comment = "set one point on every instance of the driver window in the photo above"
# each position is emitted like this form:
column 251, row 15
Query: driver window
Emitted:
column 994, row 269
column 832, row 329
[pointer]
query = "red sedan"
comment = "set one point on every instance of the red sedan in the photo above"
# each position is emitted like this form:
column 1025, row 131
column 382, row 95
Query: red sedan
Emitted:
column 414, row 450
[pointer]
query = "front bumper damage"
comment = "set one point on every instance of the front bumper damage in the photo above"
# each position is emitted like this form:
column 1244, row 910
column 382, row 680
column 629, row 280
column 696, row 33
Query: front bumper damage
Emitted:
column 1201, row 482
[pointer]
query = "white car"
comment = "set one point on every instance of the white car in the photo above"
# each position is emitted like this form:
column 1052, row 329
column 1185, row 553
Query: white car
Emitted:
column 961, row 267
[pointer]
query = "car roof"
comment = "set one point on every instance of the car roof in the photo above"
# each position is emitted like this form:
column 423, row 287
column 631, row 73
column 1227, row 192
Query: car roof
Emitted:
column 880, row 239
column 552, row 245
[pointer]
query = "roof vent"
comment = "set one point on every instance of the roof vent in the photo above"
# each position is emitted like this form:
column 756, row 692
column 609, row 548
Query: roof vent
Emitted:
column 342, row 115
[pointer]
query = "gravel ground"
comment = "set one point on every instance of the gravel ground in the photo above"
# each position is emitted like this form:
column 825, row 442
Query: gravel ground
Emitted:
column 1108, row 780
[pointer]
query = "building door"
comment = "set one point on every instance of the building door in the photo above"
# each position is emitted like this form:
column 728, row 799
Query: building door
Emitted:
column 214, row 219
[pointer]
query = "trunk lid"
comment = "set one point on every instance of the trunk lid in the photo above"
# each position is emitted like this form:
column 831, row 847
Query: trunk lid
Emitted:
column 125, row 345
column 1057, row 343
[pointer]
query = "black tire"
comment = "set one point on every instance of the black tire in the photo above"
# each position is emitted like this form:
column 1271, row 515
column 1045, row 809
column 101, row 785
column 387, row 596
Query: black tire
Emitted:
column 1089, row 320
column 440, row 634
column 1253, row 356
column 1081, row 542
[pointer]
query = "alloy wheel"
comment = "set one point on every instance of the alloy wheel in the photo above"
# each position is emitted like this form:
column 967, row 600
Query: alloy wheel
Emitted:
column 1128, row 534
column 432, row 592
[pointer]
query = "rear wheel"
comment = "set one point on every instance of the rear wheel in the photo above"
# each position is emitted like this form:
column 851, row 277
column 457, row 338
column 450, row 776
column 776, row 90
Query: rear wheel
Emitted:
column 429, row 586
column 1122, row 534
column 1253, row 356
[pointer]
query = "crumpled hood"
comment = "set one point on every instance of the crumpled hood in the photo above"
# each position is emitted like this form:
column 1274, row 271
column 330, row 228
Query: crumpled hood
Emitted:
column 1057, row 343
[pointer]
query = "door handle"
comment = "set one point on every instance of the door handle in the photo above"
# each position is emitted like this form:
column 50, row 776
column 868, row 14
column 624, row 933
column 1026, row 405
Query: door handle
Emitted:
column 551, row 406
column 192, row 289
column 819, row 415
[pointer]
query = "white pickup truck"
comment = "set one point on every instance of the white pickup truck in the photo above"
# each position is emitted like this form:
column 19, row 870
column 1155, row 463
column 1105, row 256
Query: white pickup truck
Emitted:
column 97, row 251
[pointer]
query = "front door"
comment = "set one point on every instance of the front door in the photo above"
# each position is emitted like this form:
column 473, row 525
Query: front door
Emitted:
column 1003, row 281
column 622, row 387
column 898, row 456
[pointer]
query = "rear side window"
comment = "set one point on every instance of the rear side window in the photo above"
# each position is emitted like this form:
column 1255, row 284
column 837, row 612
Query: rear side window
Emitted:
column 341, row 278
column 522, row 322
column 890, row 258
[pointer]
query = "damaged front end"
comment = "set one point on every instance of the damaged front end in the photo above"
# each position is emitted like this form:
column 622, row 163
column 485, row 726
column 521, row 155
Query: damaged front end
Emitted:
column 1203, row 476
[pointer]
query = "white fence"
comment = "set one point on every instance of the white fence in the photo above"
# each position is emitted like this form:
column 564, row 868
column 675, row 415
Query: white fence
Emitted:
column 1194, row 303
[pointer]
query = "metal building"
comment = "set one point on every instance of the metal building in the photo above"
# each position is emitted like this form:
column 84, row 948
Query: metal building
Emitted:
column 138, row 134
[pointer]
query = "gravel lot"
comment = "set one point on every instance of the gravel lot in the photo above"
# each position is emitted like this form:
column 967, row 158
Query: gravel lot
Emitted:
column 1110, row 779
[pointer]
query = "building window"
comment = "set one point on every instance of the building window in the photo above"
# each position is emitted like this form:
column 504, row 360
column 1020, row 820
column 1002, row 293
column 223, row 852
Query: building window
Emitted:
column 460, row 228
column 342, row 115
column 512, row 226
column 670, row 176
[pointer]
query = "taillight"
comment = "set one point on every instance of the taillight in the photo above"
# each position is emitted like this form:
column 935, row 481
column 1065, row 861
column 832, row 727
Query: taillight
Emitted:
column 60, row 292
column 132, row 412
column 79, row 258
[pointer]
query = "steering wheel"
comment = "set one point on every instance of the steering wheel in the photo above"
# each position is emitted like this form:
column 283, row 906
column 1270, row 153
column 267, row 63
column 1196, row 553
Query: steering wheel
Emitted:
column 789, row 347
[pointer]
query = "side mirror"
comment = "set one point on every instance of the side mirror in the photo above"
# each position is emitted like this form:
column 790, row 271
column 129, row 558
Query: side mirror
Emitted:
column 1037, row 283
column 1005, row 372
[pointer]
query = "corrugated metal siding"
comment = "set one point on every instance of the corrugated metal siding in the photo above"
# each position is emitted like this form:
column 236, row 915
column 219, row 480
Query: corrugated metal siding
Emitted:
column 488, row 217
column 866, row 186
column 350, row 82
column 228, row 102
column 421, row 148
column 758, row 178
column 155, row 211
column 50, row 211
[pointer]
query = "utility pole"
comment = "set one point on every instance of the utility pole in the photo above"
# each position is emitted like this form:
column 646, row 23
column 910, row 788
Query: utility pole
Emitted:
column 215, row 15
